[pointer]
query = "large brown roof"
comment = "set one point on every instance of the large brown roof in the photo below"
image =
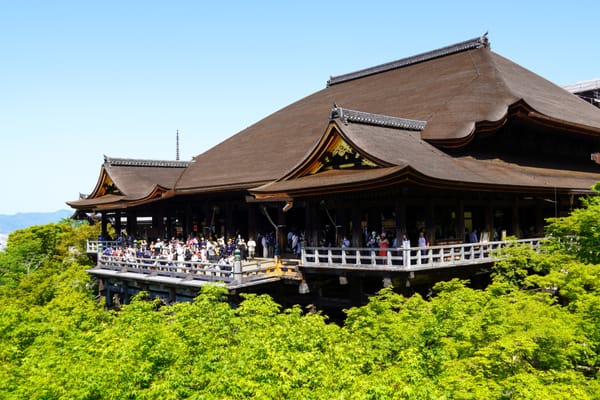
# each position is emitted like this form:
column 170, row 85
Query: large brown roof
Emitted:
column 453, row 91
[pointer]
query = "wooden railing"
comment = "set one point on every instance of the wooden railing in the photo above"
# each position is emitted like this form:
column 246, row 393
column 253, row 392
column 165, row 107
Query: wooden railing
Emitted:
column 252, row 272
column 96, row 246
column 411, row 258
column 237, row 273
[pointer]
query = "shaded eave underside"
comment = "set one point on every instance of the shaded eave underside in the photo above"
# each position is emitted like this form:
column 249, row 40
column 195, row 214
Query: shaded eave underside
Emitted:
column 338, row 181
column 111, row 201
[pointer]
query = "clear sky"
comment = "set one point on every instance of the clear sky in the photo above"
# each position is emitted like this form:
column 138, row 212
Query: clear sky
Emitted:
column 83, row 79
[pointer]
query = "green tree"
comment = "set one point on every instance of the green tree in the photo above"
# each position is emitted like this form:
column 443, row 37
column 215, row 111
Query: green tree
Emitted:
column 579, row 233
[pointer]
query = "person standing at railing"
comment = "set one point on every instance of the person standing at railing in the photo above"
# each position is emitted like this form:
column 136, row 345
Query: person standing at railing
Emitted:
column 372, row 244
column 265, row 245
column 384, row 243
column 405, row 251
column 422, row 242
column 345, row 242
column 251, row 244
column 473, row 237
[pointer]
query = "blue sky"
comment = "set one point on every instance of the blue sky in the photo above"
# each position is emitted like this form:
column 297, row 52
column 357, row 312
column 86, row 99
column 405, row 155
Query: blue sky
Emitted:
column 81, row 79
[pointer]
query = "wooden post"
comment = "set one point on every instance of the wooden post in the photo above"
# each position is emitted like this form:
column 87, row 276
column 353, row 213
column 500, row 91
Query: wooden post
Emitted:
column 117, row 222
column 374, row 223
column 229, row 233
column 357, row 239
column 132, row 223
column 489, row 220
column 460, row 220
column 252, row 229
column 281, row 230
column 103, row 224
column 187, row 220
column 516, row 228
column 400, row 211
column 430, row 221
column 539, row 218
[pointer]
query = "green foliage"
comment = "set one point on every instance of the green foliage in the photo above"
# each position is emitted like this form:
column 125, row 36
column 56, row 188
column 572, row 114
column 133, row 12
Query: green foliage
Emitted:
column 579, row 233
column 534, row 333
column 43, row 247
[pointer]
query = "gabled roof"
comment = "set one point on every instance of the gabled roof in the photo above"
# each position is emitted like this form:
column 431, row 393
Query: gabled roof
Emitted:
column 125, row 182
column 399, row 154
column 458, row 90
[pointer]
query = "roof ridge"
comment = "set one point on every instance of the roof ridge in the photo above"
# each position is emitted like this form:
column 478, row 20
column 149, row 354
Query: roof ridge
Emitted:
column 131, row 162
column 475, row 43
column 361, row 117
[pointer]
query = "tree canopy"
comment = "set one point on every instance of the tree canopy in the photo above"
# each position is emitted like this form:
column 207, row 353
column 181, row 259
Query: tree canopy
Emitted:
column 533, row 333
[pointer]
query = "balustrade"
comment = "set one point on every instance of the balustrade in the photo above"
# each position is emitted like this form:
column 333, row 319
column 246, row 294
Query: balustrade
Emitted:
column 399, row 259
column 96, row 246
column 409, row 258
column 238, row 272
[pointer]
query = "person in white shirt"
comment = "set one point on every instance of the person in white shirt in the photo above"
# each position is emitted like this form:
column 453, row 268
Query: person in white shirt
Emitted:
column 251, row 244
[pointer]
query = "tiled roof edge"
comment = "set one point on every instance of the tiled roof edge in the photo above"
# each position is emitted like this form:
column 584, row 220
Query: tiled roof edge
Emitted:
column 129, row 162
column 475, row 43
column 583, row 86
column 360, row 117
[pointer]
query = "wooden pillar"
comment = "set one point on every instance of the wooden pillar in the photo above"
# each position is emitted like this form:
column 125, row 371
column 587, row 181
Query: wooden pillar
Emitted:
column 117, row 222
column 252, row 228
column 206, row 217
column 281, row 230
column 187, row 220
column 460, row 220
column 489, row 220
column 357, row 291
column 357, row 233
column 158, row 223
column 539, row 218
column 312, row 223
column 516, row 226
column 229, row 233
column 125, row 292
column 108, row 295
column 131, row 223
column 169, row 228
column 344, row 221
column 374, row 220
column 430, row 221
column 103, row 224
column 400, row 211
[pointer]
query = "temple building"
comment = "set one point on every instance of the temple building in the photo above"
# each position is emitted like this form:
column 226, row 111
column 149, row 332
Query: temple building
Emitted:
column 448, row 142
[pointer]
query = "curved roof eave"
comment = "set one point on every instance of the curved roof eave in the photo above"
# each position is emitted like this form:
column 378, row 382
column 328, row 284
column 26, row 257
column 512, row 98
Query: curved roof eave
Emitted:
column 111, row 201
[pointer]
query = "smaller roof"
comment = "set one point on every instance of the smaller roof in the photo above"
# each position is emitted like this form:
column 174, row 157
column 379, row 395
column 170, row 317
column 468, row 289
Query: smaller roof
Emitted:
column 125, row 182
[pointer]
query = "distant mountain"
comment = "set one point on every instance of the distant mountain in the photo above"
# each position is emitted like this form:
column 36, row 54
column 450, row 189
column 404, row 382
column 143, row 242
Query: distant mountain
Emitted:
column 9, row 223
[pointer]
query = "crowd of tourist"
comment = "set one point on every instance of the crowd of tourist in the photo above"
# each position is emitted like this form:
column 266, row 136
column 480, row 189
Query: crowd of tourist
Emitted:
column 193, row 249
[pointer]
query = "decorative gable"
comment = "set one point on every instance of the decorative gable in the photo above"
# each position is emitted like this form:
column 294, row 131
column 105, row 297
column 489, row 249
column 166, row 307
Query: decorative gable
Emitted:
column 339, row 155
column 108, row 187
column 336, row 152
